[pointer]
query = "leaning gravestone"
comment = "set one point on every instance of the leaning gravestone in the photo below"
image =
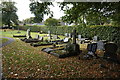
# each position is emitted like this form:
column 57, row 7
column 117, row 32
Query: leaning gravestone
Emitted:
column 110, row 51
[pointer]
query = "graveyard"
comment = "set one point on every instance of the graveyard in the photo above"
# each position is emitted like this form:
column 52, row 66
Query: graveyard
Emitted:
column 59, row 40
column 21, row 60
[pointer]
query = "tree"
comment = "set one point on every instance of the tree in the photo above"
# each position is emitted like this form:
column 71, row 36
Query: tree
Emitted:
column 83, row 12
column 52, row 22
column 29, row 20
column 93, row 13
column 9, row 15
column 40, row 9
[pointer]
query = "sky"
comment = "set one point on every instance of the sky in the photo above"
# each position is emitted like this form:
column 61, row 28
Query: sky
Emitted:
column 24, row 11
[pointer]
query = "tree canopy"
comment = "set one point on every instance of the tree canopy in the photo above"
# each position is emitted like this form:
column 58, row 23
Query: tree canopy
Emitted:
column 40, row 9
column 9, row 13
column 29, row 20
column 90, row 13
column 52, row 22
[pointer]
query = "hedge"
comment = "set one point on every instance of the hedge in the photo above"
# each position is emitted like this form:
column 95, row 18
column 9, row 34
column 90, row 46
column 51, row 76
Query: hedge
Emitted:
column 109, row 33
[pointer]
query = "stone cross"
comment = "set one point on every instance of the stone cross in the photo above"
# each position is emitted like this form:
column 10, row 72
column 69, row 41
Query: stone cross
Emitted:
column 74, row 36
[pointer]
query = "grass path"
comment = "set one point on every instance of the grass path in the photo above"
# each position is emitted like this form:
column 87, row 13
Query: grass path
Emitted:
column 6, row 41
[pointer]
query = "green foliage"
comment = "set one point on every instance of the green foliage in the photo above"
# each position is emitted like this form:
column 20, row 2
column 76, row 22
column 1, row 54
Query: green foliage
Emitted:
column 96, row 13
column 52, row 22
column 40, row 9
column 9, row 15
column 109, row 33
column 29, row 20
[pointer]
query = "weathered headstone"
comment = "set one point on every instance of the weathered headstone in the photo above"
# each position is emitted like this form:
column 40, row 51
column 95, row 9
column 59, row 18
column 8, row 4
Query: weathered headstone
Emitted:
column 79, row 37
column 95, row 38
column 55, row 37
column 110, row 51
column 100, row 45
column 28, row 34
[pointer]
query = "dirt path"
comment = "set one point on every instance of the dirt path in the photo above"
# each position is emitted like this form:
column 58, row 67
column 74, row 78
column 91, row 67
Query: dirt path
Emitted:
column 6, row 43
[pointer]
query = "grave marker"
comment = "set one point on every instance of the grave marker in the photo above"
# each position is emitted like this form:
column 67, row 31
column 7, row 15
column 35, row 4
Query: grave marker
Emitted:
column 28, row 34
column 100, row 45
column 66, row 34
column 79, row 37
column 95, row 38
column 70, row 36
column 55, row 37
column 74, row 36
column 110, row 51
column 49, row 35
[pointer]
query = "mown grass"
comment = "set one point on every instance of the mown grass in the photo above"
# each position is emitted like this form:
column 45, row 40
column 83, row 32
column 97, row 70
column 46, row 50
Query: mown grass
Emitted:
column 10, row 33
column 20, row 60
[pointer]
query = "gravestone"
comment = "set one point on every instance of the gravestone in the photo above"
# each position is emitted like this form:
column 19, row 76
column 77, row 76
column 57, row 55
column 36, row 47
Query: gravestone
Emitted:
column 79, row 37
column 70, row 36
column 49, row 35
column 100, row 45
column 66, row 40
column 110, row 51
column 55, row 37
column 73, row 49
column 66, row 34
column 91, row 50
column 95, row 38
column 40, row 38
column 37, row 36
column 28, row 34
column 74, row 36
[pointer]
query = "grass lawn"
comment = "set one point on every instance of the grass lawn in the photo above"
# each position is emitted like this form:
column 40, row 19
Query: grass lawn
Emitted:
column 20, row 60
column 3, row 40
column 10, row 33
